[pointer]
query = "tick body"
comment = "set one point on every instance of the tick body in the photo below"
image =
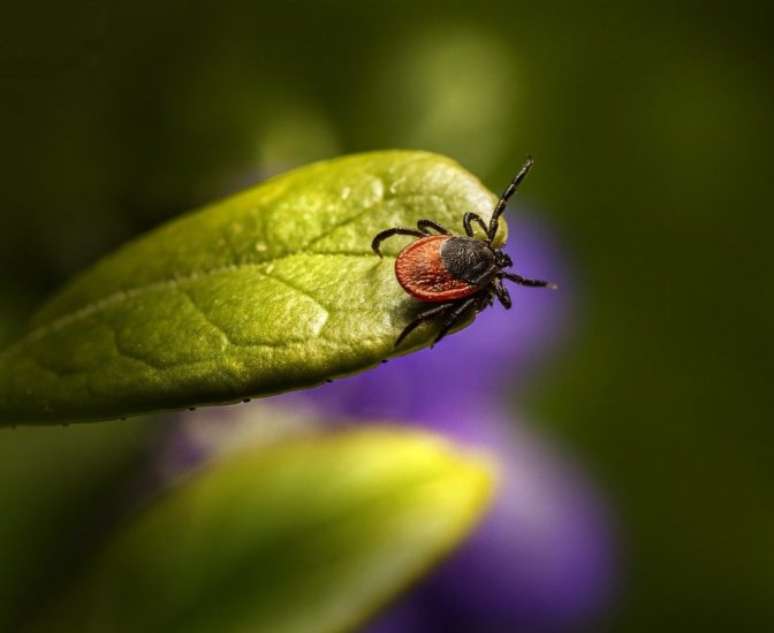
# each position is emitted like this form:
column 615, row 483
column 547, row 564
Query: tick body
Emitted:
column 456, row 273
column 441, row 268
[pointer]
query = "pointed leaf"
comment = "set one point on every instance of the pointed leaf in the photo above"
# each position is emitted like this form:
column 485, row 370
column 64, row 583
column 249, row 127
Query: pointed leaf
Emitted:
column 272, row 289
column 307, row 537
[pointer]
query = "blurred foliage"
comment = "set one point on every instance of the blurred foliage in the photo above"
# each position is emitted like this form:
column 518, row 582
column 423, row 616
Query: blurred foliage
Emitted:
column 308, row 535
column 273, row 289
column 649, row 121
column 61, row 490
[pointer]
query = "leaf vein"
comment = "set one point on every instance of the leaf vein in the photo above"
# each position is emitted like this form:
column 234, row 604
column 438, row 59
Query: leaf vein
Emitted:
column 274, row 276
column 205, row 316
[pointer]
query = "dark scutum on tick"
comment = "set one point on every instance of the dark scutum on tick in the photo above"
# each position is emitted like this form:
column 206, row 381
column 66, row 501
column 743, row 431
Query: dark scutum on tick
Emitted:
column 456, row 273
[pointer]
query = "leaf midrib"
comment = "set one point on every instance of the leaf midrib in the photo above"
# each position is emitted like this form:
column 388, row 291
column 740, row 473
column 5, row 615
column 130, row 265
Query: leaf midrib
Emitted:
column 120, row 296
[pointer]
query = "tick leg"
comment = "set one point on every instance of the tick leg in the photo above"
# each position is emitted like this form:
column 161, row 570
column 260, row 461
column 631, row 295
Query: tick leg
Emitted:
column 422, row 317
column 534, row 283
column 425, row 225
column 455, row 315
column 502, row 293
column 486, row 302
column 467, row 221
column 383, row 235
column 509, row 191
column 487, row 273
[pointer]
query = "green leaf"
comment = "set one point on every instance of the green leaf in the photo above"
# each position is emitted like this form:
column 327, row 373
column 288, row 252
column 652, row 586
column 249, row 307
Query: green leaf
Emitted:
column 309, row 536
column 270, row 290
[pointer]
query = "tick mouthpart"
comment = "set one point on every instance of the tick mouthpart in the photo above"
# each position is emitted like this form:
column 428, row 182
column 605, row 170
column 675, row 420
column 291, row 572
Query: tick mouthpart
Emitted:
column 503, row 260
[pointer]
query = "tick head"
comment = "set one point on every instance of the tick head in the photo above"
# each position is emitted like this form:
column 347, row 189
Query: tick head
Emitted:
column 502, row 260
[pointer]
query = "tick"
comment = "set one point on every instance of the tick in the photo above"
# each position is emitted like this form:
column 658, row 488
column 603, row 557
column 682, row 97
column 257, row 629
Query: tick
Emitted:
column 454, row 272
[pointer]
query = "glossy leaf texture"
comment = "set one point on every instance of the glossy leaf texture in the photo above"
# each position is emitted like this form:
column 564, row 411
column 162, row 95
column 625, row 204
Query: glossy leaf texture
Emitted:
column 272, row 289
column 310, row 536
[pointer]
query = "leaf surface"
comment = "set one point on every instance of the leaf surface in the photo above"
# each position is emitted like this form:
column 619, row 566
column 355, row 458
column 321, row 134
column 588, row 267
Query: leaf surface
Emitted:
column 272, row 289
column 310, row 536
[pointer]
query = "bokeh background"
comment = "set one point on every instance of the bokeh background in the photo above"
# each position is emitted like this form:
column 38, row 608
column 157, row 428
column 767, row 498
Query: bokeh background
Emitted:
column 650, row 124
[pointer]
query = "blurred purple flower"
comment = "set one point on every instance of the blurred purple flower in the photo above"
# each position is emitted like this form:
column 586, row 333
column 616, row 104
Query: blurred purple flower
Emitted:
column 540, row 561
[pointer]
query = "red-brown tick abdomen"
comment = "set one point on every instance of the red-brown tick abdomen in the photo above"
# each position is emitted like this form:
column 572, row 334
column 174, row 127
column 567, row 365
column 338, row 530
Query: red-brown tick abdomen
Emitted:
column 421, row 271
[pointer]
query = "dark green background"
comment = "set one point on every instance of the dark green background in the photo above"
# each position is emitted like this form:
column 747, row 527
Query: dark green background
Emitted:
column 649, row 121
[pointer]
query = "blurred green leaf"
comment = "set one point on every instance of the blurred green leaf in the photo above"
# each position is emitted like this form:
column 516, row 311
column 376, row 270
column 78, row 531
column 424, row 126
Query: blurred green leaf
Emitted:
column 309, row 536
column 273, row 289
